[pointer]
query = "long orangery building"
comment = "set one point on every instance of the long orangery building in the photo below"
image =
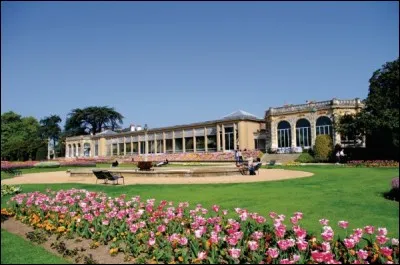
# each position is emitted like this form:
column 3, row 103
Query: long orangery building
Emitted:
column 289, row 128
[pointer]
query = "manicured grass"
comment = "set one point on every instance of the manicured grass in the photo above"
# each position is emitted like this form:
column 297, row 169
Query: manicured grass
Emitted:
column 16, row 250
column 334, row 193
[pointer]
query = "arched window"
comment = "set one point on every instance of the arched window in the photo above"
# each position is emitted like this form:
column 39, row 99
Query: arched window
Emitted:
column 73, row 153
column 78, row 149
column 303, row 133
column 284, row 134
column 324, row 125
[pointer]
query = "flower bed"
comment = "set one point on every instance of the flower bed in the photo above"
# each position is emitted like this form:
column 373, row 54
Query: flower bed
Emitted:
column 373, row 163
column 5, row 165
column 164, row 233
column 49, row 164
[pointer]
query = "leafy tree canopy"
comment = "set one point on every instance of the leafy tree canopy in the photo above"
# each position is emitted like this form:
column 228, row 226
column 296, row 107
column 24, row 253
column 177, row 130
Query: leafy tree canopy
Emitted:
column 92, row 120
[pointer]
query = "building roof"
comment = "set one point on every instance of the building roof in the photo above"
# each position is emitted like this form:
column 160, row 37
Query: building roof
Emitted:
column 240, row 114
column 107, row 132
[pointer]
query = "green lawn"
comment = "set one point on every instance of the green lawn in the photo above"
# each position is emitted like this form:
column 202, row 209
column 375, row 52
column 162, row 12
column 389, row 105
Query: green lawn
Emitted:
column 334, row 193
column 16, row 250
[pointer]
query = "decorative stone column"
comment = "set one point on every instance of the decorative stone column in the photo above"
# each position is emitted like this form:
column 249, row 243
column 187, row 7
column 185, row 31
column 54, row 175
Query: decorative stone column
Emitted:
column 183, row 142
column 173, row 142
column 293, row 132
column 194, row 141
column 234, row 136
column 205, row 140
column 218, row 139
column 223, row 137
column 164, row 143
column 66, row 150
column 155, row 143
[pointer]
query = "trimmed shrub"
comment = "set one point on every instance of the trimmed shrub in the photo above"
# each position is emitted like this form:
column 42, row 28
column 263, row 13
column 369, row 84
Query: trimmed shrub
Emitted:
column 323, row 147
column 305, row 158
column 47, row 165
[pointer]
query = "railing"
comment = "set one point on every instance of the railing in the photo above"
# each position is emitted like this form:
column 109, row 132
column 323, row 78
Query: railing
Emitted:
column 312, row 106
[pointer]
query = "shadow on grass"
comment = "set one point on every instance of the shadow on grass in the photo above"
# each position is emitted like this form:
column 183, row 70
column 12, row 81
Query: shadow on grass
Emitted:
column 392, row 195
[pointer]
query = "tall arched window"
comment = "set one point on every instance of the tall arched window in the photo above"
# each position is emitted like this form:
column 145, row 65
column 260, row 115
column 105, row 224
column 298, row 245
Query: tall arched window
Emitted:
column 284, row 134
column 303, row 133
column 73, row 154
column 324, row 125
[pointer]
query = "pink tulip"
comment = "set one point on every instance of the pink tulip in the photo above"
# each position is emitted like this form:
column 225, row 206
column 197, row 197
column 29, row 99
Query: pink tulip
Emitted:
column 382, row 239
column 326, row 246
column 202, row 255
column 369, row 229
column 382, row 231
column 152, row 241
column 301, row 244
column 234, row 252
column 253, row 245
column 349, row 243
column 273, row 252
column 362, row 254
column 343, row 224
column 323, row 221
column 386, row 251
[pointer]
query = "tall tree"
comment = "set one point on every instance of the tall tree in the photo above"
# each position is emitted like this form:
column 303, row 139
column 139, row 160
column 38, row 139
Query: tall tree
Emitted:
column 50, row 129
column 380, row 118
column 20, row 137
column 92, row 120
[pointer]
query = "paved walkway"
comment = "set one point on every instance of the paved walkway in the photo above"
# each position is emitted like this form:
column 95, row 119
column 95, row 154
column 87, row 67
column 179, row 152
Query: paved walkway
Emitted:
column 63, row 177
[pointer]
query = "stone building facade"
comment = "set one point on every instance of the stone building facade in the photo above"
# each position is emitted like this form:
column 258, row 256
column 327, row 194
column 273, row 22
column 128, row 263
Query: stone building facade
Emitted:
column 289, row 128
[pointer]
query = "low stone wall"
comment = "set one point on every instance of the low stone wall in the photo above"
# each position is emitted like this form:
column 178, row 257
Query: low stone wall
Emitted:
column 192, row 172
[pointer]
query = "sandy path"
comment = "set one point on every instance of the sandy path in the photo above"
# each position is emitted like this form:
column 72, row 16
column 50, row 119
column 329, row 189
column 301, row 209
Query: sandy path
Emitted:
column 63, row 177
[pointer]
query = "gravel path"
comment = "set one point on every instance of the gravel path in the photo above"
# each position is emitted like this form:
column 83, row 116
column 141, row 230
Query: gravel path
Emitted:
column 63, row 177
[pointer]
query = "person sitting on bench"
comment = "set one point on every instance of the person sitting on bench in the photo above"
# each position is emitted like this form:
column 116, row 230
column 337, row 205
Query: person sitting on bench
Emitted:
column 115, row 164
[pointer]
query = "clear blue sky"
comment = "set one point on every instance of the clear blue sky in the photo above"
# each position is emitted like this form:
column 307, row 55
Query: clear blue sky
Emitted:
column 172, row 63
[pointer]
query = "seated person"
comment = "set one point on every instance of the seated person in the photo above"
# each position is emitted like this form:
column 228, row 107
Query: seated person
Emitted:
column 251, row 167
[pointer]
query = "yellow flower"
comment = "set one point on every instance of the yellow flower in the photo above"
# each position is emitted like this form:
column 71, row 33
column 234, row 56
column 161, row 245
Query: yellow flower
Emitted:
column 61, row 229
column 180, row 258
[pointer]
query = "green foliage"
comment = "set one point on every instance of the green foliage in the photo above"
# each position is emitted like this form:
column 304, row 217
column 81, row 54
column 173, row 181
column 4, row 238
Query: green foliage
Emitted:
column 92, row 120
column 380, row 117
column 9, row 189
column 41, row 153
column 47, row 165
column 50, row 129
column 323, row 147
column 305, row 158
column 20, row 137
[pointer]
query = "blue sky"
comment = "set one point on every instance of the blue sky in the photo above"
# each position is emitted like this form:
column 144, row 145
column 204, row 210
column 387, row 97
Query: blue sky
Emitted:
column 169, row 63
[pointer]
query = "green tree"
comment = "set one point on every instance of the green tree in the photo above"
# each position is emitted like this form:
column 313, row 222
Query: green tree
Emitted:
column 50, row 129
column 20, row 137
column 92, row 120
column 380, row 118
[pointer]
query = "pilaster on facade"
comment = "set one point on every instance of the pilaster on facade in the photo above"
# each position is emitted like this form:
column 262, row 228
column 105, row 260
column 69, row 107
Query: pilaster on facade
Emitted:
column 235, row 136
column 218, row 138
column 223, row 137
column 164, row 143
column 173, row 142
column 194, row 140
column 205, row 140
column 293, row 133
